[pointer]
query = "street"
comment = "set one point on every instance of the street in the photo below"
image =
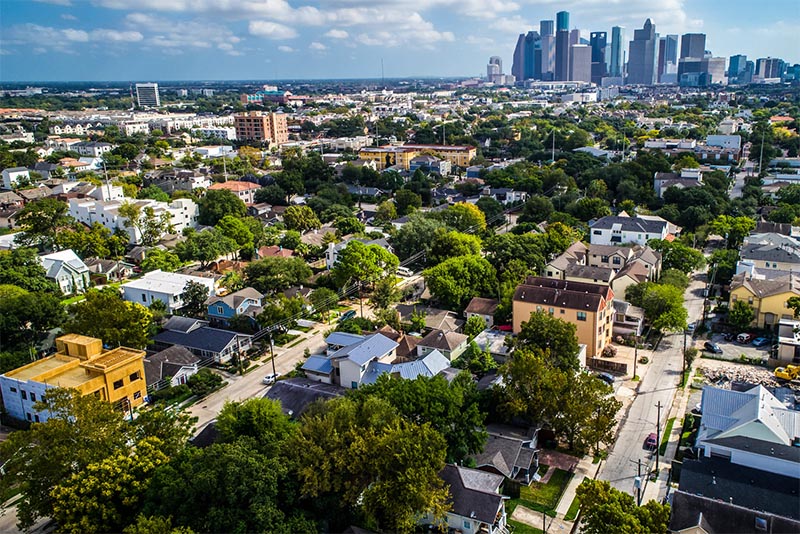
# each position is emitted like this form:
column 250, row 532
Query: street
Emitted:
column 740, row 176
column 658, row 385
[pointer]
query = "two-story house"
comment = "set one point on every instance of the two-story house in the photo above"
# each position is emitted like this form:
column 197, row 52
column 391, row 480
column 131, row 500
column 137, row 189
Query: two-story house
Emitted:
column 247, row 301
column 623, row 229
column 450, row 344
column 483, row 308
column 588, row 306
column 67, row 270
column 163, row 286
column 210, row 344
column 245, row 191
column 768, row 297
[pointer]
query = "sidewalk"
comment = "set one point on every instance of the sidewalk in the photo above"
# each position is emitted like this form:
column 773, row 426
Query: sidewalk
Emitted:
column 585, row 468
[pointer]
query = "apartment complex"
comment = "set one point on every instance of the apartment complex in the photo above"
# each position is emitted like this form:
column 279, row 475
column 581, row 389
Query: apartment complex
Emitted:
column 260, row 126
column 116, row 376
column 588, row 306
column 391, row 155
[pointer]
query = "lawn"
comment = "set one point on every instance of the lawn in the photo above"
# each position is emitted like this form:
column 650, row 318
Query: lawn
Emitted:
column 665, row 438
column 543, row 497
column 522, row 528
column 572, row 513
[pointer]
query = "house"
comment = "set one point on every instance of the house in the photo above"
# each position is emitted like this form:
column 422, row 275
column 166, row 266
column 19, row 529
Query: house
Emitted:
column 274, row 251
column 80, row 363
column 628, row 319
column 475, row 502
column 633, row 273
column 621, row 229
column 350, row 363
column 247, row 302
column 92, row 148
column 109, row 270
column 483, row 308
column 245, row 191
column 175, row 364
column 429, row 366
column 435, row 318
column 494, row 341
column 504, row 195
column 588, row 306
column 768, row 297
column 13, row 176
column 8, row 217
column 45, row 169
column 686, row 179
column 770, row 251
column 450, row 344
column 67, row 270
column 430, row 163
column 163, row 286
column 510, row 453
column 788, row 344
column 40, row 191
column 9, row 199
column 297, row 394
column 210, row 344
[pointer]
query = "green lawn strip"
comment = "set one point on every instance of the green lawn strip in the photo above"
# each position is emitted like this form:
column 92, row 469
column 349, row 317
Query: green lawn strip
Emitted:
column 572, row 512
column 73, row 300
column 665, row 438
column 296, row 343
column 522, row 528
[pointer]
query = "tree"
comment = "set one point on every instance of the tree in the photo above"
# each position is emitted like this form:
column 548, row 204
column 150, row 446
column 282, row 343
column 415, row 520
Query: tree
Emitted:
column 676, row 278
column 148, row 226
column 476, row 360
column 735, row 229
column 723, row 263
column 794, row 304
column 406, row 202
column 363, row 264
column 586, row 415
column 742, row 314
column 194, row 297
column 678, row 256
column 385, row 212
column 606, row 510
column 40, row 221
column 281, row 309
column 324, row 300
column 104, row 315
column 96, row 241
column 204, row 382
column 662, row 304
column 160, row 259
column 364, row 456
column 465, row 217
column 416, row 235
column 205, row 246
column 155, row 525
column 216, row 204
column 21, row 267
column 474, row 326
column 587, row 208
column 536, row 209
column 385, row 293
column 272, row 194
column 452, row 244
column 492, row 210
column 274, row 274
column 456, row 280
column 153, row 192
column 25, row 317
column 348, row 225
column 551, row 334
column 300, row 218
column 532, row 387
column 418, row 323
column 236, row 230
column 259, row 419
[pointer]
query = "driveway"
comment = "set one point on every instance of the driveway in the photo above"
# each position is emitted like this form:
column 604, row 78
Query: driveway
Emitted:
column 732, row 350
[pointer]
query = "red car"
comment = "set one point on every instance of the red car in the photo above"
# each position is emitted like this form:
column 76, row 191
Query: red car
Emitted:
column 651, row 442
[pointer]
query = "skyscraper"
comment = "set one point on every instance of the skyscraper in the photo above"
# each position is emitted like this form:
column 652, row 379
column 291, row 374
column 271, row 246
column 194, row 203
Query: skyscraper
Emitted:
column 546, row 27
column 562, row 20
column 642, row 55
column 615, row 63
column 575, row 37
column 667, row 53
column 769, row 67
column 736, row 67
column 518, row 62
column 562, row 55
column 527, row 57
column 548, row 63
column 147, row 95
column 580, row 63
column 715, row 67
column 494, row 68
column 598, row 42
column 693, row 45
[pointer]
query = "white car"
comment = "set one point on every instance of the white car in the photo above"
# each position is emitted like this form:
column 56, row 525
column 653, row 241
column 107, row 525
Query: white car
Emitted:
column 270, row 378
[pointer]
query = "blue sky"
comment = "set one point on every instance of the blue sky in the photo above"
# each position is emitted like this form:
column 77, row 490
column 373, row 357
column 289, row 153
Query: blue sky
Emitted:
column 277, row 39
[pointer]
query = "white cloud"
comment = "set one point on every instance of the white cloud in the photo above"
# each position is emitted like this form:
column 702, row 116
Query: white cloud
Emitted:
column 116, row 36
column 61, row 39
column 514, row 25
column 286, row 49
column 271, row 30
column 317, row 46
column 78, row 36
column 480, row 41
column 67, row 16
column 56, row 2
column 165, row 33
column 337, row 34
column 4, row 52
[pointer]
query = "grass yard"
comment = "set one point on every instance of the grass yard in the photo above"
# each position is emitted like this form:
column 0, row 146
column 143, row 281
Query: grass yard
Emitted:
column 543, row 497
column 665, row 438
column 522, row 528
column 574, row 508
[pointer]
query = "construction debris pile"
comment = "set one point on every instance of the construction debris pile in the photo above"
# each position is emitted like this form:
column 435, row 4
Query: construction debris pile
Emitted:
column 722, row 377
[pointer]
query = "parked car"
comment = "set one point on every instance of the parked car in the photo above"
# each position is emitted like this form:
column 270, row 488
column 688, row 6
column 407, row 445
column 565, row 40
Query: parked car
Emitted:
column 744, row 338
column 760, row 341
column 729, row 336
column 349, row 314
column 606, row 377
column 651, row 442
column 405, row 271
column 270, row 378
column 690, row 328
column 712, row 347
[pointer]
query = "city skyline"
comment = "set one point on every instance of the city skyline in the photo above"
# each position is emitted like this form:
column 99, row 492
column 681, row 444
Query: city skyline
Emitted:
column 76, row 40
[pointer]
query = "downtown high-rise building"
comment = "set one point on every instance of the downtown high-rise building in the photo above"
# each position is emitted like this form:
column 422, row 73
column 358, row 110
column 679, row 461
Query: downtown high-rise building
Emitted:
column 147, row 95
column 599, row 44
column 527, row 57
column 580, row 63
column 769, row 67
column 547, row 27
column 667, row 55
column 562, row 46
column 615, row 62
column 494, row 68
column 736, row 67
column 562, row 21
column 548, row 36
column 693, row 45
column 642, row 56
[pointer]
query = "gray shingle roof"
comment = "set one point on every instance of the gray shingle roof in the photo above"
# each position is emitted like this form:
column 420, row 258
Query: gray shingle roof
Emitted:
column 504, row 454
column 473, row 493
column 437, row 339
column 629, row 224
column 370, row 347
column 203, row 338
column 297, row 394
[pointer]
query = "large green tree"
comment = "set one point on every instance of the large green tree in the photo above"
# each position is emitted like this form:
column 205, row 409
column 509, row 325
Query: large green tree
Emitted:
column 217, row 203
column 451, row 244
column 40, row 220
column 676, row 255
column 549, row 333
column 456, row 280
column 261, row 420
column 164, row 260
column 662, row 304
column 300, row 218
column 274, row 274
column 735, row 229
column 606, row 510
column 741, row 314
column 104, row 315
column 465, row 217
column 26, row 317
column 147, row 224
column 360, row 263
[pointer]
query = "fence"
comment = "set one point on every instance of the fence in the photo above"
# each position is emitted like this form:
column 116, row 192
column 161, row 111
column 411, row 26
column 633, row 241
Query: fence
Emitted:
column 606, row 365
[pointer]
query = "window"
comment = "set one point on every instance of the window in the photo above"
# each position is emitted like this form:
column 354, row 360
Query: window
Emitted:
column 562, row 311
column 616, row 260
column 118, row 384
column 604, row 259
column 36, row 417
column 219, row 310
column 33, row 396
column 597, row 232
column 354, row 384
column 28, row 416
column 24, row 394
column 467, row 525
column 581, row 316
column 137, row 395
column 144, row 297
column 14, row 390
column 552, row 311
column 750, row 300
column 135, row 376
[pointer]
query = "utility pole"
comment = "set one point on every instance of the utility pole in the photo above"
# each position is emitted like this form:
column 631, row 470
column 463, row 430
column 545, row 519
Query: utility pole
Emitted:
column 272, row 354
column 639, row 487
column 553, row 156
column 683, row 359
column 761, row 154
column 635, row 354
column 658, row 433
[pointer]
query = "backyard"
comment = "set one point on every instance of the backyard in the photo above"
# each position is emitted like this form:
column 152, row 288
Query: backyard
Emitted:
column 542, row 497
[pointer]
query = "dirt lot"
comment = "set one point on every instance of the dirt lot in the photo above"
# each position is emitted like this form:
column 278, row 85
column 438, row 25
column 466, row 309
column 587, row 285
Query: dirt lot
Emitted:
column 721, row 373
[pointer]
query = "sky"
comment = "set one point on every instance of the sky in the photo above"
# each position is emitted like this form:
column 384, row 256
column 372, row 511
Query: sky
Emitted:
column 151, row 40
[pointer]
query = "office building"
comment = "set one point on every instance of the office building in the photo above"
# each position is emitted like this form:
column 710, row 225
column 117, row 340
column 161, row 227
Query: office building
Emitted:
column 260, row 126
column 615, row 62
column 642, row 56
column 667, row 54
column 518, row 60
column 494, row 68
column 575, row 37
column 80, row 363
column 548, row 50
column 562, row 56
column 598, row 41
column 562, row 21
column 715, row 67
column 693, row 45
column 527, row 57
column 546, row 27
column 736, row 67
column 147, row 95
column 769, row 67
column 580, row 63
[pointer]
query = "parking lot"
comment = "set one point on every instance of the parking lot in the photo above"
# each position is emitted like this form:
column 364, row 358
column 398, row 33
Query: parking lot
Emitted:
column 731, row 350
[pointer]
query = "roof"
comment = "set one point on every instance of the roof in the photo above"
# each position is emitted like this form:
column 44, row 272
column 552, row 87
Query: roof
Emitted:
column 168, row 283
column 587, row 272
column 481, row 306
column 371, row 347
column 721, row 517
column 178, row 323
column 297, row 394
column 342, row 339
column 441, row 340
column 235, row 299
column 318, row 364
column 275, row 250
column 53, row 263
column 167, row 362
column 16, row 169
column 770, row 252
column 760, row 447
column 630, row 224
column 235, row 185
column 766, row 288
column 562, row 293
column 473, row 493
column 432, row 364
column 504, row 454
column 203, row 338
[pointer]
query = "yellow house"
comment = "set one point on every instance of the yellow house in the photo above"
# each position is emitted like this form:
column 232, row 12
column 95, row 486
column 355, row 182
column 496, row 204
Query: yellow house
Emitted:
column 767, row 297
column 116, row 376
column 588, row 306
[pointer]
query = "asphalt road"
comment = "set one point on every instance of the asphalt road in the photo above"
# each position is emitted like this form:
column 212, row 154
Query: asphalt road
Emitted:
column 658, row 384
column 739, row 178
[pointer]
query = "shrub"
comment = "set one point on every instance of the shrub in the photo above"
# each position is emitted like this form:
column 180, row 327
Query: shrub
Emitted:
column 169, row 393
column 644, row 360
column 204, row 382
column 609, row 352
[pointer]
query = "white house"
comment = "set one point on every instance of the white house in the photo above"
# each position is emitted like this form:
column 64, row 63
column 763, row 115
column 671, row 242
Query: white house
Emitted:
column 621, row 229
column 67, row 270
column 94, row 149
column 12, row 176
column 166, row 287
